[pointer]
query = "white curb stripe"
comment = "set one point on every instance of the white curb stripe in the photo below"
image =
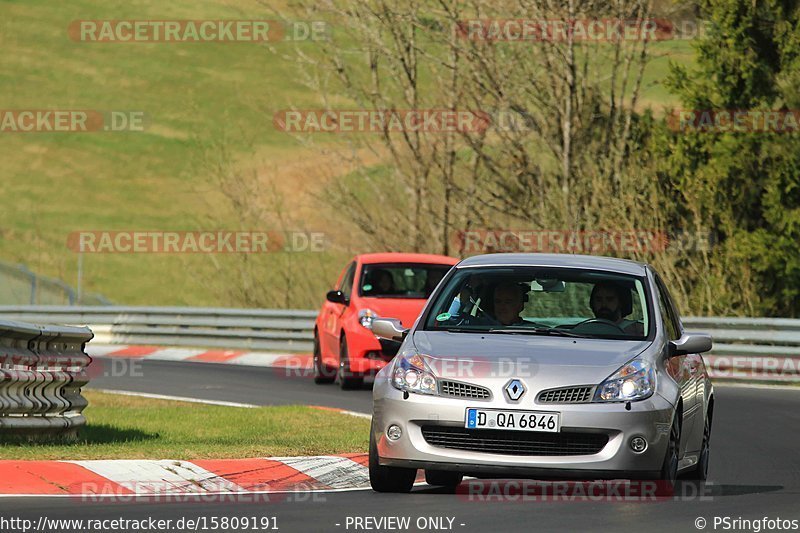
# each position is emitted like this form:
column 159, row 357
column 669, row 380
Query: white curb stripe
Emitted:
column 174, row 354
column 176, row 398
column 263, row 359
column 99, row 350
column 160, row 477
column 260, row 359
column 355, row 413
column 335, row 472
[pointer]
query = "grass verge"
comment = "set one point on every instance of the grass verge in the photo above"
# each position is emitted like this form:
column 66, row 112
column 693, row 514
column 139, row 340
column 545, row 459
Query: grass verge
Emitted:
column 129, row 427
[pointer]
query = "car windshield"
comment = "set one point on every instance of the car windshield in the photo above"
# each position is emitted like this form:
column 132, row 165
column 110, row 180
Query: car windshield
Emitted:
column 542, row 301
column 393, row 280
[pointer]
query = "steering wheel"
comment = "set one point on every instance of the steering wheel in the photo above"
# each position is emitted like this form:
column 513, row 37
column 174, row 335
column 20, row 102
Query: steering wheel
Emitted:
column 599, row 321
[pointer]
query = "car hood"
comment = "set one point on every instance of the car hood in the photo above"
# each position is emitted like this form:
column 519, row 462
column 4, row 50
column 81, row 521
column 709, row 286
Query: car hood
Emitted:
column 405, row 309
column 549, row 361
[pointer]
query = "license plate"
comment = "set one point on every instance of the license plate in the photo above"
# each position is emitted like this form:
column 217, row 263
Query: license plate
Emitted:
column 513, row 420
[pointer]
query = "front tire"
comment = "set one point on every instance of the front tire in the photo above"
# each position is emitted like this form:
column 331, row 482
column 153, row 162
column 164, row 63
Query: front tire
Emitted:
column 347, row 380
column 669, row 469
column 700, row 471
column 322, row 375
column 388, row 478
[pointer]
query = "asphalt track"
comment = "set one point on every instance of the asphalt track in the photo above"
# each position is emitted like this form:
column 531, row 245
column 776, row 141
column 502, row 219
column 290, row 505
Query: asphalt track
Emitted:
column 755, row 471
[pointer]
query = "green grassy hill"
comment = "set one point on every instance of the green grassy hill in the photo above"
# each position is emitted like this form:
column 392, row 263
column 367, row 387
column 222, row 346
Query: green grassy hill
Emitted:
column 192, row 94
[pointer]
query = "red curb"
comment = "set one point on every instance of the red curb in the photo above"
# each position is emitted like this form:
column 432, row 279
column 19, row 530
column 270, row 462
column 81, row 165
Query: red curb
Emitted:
column 134, row 351
column 52, row 477
column 257, row 474
column 264, row 475
column 360, row 458
column 216, row 356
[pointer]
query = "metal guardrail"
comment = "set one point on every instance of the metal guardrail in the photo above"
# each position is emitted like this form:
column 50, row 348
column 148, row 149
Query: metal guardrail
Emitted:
column 249, row 329
column 761, row 349
column 741, row 345
column 42, row 370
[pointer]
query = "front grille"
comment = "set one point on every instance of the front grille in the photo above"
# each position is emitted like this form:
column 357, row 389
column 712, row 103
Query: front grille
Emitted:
column 567, row 395
column 514, row 442
column 456, row 389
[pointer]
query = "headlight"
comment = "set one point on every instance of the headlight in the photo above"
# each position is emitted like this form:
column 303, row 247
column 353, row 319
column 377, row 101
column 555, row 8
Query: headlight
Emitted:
column 365, row 317
column 634, row 381
column 411, row 373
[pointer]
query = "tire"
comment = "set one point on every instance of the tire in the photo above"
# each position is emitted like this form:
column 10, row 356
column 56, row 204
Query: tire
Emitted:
column 347, row 381
column 322, row 374
column 669, row 468
column 388, row 478
column 443, row 478
column 700, row 471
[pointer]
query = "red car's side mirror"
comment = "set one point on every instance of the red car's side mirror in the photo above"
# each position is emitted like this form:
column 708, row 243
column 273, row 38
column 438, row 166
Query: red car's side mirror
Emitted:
column 336, row 297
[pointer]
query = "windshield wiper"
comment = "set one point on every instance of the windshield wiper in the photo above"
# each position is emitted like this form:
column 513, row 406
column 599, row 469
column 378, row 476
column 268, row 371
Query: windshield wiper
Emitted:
column 537, row 331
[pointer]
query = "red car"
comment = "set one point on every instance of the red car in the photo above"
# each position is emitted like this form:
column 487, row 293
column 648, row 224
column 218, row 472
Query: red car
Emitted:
column 371, row 285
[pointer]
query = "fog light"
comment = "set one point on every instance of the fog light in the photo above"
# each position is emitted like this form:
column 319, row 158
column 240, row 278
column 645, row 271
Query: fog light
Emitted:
column 394, row 432
column 638, row 444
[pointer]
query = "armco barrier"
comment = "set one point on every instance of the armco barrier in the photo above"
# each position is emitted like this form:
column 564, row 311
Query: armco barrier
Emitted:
column 250, row 329
column 42, row 370
column 744, row 348
column 761, row 349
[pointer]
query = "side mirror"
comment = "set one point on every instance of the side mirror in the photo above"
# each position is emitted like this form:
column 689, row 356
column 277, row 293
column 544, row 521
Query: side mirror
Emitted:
column 389, row 329
column 690, row 343
column 336, row 297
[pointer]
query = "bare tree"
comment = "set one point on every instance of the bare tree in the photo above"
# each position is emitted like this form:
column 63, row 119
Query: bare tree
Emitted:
column 394, row 57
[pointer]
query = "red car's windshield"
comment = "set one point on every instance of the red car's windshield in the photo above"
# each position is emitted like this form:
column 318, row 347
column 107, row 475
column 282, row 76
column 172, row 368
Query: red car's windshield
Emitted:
column 407, row 280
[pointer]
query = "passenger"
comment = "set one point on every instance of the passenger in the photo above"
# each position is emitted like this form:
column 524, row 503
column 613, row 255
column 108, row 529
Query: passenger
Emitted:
column 509, row 301
column 611, row 301
column 432, row 280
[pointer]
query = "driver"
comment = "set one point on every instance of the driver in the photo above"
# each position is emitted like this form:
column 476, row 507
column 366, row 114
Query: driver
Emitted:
column 509, row 301
column 382, row 281
column 612, row 302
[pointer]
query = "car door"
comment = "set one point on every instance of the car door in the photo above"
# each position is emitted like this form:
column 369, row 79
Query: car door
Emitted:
column 336, row 314
column 333, row 313
column 697, row 376
column 679, row 367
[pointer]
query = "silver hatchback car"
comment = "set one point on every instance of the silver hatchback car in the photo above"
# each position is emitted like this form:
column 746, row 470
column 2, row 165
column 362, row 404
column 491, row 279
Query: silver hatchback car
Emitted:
column 542, row 366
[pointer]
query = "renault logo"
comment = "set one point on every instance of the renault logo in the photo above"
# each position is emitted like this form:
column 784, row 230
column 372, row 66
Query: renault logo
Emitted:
column 514, row 390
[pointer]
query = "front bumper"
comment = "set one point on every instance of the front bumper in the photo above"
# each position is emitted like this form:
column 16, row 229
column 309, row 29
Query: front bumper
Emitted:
column 650, row 418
